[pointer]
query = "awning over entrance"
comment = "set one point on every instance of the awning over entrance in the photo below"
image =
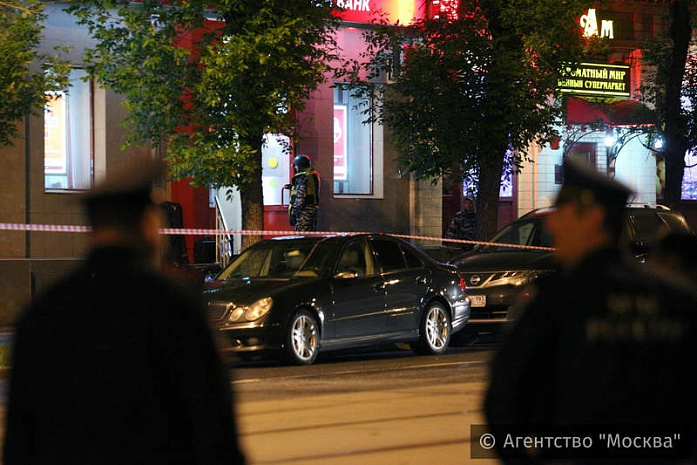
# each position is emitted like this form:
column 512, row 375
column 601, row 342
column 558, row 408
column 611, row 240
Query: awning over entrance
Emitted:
column 618, row 113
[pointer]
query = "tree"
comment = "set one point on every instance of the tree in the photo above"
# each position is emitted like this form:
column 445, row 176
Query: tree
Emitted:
column 207, row 90
column 475, row 89
column 672, row 91
column 24, row 90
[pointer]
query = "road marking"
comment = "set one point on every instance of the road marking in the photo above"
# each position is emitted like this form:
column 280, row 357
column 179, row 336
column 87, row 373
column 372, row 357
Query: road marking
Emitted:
column 361, row 371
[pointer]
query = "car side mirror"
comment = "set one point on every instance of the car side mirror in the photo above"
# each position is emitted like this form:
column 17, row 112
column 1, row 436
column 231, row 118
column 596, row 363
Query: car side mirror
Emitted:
column 346, row 275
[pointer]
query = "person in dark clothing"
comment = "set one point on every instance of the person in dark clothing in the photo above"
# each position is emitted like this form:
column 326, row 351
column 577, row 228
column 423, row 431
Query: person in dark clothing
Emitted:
column 602, row 342
column 676, row 253
column 116, row 363
column 464, row 225
column 304, row 195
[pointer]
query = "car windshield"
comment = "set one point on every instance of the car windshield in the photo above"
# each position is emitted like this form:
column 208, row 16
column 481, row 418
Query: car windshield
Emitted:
column 531, row 233
column 281, row 259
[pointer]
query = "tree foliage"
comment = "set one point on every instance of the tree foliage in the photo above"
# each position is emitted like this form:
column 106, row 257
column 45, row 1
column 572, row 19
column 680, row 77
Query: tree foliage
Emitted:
column 473, row 91
column 25, row 74
column 207, row 90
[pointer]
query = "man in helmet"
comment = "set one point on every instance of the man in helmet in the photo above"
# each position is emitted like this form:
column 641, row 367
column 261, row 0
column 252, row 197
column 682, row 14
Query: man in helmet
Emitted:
column 464, row 225
column 304, row 195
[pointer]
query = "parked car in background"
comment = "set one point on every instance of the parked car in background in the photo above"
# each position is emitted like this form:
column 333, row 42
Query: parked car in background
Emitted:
column 293, row 297
column 497, row 275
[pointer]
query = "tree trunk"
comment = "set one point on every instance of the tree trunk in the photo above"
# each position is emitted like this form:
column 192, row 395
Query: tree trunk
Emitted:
column 252, row 200
column 495, row 111
column 674, row 132
column 488, row 196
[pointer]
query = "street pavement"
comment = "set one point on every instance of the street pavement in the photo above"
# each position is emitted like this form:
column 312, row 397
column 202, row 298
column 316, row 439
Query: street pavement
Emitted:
column 421, row 425
column 382, row 409
column 400, row 410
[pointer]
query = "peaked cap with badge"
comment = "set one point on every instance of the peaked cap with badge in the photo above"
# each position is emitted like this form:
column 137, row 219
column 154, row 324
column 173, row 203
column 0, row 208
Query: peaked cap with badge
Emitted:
column 584, row 185
column 128, row 187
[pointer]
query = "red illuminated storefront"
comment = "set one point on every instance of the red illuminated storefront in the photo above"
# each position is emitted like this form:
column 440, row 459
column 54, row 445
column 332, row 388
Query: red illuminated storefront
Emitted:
column 346, row 154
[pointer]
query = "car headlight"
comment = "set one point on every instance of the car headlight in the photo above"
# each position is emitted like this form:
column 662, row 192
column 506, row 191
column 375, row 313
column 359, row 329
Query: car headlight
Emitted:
column 510, row 278
column 258, row 309
column 236, row 314
column 521, row 278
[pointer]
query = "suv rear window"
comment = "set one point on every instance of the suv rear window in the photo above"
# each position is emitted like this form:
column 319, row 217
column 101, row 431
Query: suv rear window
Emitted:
column 674, row 222
column 648, row 228
column 523, row 232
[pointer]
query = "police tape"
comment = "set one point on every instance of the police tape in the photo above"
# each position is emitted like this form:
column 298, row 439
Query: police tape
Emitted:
column 246, row 232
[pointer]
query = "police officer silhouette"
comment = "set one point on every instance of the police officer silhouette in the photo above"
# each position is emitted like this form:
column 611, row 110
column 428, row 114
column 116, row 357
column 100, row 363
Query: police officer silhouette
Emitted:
column 601, row 343
column 304, row 195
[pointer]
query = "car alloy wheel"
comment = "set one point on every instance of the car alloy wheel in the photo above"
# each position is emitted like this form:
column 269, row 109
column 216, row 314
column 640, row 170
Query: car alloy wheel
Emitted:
column 303, row 338
column 435, row 331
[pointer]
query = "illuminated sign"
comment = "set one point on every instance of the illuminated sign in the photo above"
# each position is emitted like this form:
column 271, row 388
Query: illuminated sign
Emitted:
column 55, row 143
column 589, row 24
column 368, row 11
column 340, row 142
column 597, row 79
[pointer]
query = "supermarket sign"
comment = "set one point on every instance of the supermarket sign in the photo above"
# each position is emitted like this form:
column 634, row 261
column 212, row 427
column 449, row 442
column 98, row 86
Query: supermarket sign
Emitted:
column 597, row 79
column 367, row 11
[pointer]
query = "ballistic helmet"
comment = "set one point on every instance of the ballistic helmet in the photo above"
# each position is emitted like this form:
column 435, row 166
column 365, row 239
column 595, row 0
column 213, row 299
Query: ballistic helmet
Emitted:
column 301, row 162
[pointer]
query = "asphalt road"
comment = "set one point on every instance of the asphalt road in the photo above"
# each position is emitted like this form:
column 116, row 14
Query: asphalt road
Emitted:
column 385, row 407
column 379, row 408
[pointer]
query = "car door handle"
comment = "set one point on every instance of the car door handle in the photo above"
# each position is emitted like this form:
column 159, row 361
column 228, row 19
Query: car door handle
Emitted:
column 421, row 280
column 379, row 286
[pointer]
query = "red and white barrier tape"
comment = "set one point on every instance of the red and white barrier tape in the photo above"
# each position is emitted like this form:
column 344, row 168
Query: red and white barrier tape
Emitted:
column 43, row 227
column 220, row 232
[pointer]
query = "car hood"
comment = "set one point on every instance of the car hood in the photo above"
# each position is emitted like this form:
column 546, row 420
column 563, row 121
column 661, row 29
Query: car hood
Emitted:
column 246, row 291
column 506, row 260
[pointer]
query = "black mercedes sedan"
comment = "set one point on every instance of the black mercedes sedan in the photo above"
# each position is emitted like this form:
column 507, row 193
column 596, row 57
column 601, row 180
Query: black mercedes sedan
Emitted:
column 292, row 297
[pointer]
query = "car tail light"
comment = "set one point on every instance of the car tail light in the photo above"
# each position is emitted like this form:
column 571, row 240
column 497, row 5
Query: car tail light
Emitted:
column 463, row 284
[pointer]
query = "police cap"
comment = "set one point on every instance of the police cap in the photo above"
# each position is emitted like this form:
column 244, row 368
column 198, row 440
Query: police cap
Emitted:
column 126, row 188
column 585, row 186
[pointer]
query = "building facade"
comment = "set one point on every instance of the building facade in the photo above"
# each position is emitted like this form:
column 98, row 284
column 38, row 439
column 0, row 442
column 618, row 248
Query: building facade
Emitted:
column 79, row 138
column 69, row 147
column 601, row 101
column 60, row 154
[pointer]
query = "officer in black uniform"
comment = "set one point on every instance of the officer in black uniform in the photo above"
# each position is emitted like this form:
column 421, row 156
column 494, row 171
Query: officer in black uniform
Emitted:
column 116, row 364
column 304, row 195
column 603, row 342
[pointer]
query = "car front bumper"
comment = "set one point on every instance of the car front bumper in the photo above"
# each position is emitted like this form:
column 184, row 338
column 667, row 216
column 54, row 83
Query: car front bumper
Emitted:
column 250, row 338
column 491, row 305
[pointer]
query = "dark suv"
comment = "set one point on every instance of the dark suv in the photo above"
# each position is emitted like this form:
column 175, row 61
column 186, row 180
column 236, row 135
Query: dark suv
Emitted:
column 495, row 275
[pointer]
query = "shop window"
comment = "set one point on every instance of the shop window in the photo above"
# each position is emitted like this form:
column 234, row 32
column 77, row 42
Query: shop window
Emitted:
column 689, row 179
column 68, row 136
column 356, row 154
column 275, row 168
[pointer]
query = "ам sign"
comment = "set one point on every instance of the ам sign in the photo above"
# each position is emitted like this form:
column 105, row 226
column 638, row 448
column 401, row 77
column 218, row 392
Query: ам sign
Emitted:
column 589, row 24
column 597, row 79
column 367, row 11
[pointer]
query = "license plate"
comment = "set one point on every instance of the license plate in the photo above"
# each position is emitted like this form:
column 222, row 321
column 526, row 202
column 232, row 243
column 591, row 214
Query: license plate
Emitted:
column 478, row 300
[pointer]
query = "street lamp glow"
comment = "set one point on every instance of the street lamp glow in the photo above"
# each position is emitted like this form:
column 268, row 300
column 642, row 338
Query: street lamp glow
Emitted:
column 610, row 139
